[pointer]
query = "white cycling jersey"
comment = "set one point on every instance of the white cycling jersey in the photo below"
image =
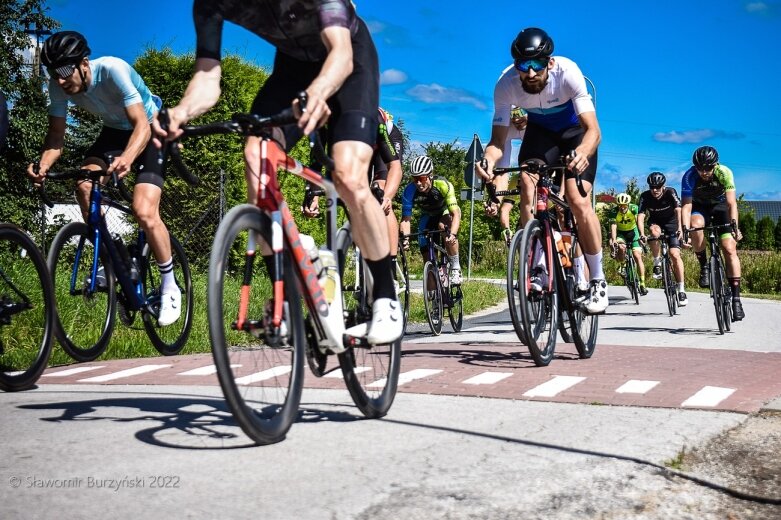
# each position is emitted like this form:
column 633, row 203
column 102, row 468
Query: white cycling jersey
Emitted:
column 558, row 105
column 115, row 86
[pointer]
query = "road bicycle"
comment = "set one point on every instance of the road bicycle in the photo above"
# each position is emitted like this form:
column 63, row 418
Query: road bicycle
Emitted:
column 542, row 284
column 257, row 324
column 440, row 297
column 355, row 276
column 97, row 276
column 669, row 284
column 27, row 310
column 629, row 272
column 720, row 291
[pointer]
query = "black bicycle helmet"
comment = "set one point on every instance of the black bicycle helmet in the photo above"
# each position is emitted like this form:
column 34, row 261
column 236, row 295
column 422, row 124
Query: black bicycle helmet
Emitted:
column 656, row 179
column 705, row 157
column 64, row 50
column 530, row 44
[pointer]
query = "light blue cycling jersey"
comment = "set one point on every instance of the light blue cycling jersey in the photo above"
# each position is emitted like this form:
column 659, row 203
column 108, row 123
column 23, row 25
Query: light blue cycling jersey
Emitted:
column 556, row 108
column 115, row 86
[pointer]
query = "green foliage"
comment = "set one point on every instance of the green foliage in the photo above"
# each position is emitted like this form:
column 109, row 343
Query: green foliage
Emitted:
column 748, row 226
column 777, row 235
column 633, row 189
column 765, row 231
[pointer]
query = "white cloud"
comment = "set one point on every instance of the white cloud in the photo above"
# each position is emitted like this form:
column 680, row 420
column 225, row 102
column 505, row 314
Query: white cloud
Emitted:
column 690, row 136
column 392, row 77
column 756, row 7
column 435, row 93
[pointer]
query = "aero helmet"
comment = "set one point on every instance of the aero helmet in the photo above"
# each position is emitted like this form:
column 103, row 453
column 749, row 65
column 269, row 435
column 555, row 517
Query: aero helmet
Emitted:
column 531, row 44
column 421, row 165
column 656, row 179
column 623, row 199
column 63, row 51
column 705, row 157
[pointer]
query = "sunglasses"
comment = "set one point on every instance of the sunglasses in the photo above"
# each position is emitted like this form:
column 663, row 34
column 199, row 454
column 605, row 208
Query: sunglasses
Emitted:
column 535, row 65
column 657, row 187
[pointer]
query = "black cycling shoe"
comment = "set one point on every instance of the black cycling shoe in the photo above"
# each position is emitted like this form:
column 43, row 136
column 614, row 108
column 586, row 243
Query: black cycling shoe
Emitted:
column 643, row 290
column 737, row 310
column 704, row 276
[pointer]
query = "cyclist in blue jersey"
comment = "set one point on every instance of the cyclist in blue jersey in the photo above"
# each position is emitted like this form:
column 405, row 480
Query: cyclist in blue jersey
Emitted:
column 708, row 193
column 325, row 49
column 111, row 89
column 561, row 120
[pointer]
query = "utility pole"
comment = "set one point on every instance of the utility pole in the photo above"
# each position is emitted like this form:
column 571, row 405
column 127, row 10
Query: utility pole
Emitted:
column 39, row 33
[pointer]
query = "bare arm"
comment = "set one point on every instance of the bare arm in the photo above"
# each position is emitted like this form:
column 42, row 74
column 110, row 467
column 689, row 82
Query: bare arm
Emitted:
column 732, row 205
column 686, row 212
column 493, row 152
column 138, row 140
column 52, row 148
column 455, row 223
column 641, row 223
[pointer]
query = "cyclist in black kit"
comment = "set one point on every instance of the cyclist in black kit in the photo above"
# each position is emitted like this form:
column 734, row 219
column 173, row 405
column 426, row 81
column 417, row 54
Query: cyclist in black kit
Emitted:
column 664, row 209
column 325, row 49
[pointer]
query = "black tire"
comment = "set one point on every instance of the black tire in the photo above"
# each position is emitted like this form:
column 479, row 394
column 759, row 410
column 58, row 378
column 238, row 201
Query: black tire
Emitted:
column 27, row 308
column 261, row 383
column 716, row 283
column 584, row 327
column 669, row 286
column 726, row 305
column 432, row 297
column 632, row 276
column 373, row 387
column 84, row 319
column 402, row 277
column 456, row 307
column 168, row 340
column 539, row 310
column 515, row 260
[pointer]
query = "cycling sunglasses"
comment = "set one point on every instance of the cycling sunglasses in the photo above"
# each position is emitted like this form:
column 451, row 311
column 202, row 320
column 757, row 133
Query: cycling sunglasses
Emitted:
column 535, row 65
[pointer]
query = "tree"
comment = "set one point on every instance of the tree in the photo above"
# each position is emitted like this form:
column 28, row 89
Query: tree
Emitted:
column 777, row 235
column 765, row 232
column 748, row 226
column 27, row 113
column 633, row 190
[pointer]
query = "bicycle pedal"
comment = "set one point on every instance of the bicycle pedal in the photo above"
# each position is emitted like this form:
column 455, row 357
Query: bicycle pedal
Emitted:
column 355, row 341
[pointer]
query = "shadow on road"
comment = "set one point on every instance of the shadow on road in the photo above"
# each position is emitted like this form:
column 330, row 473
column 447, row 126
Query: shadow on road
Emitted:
column 509, row 358
column 192, row 423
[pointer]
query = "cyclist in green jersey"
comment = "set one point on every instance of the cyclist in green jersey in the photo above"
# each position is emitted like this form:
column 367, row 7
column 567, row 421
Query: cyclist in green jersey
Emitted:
column 623, row 231
column 435, row 196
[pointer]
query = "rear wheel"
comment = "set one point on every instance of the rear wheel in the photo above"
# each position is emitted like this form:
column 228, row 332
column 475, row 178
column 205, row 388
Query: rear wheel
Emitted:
column 432, row 297
column 539, row 309
column 85, row 311
column 168, row 340
column 371, row 373
column 260, row 366
column 26, row 310
column 515, row 261
column 584, row 327
column 456, row 307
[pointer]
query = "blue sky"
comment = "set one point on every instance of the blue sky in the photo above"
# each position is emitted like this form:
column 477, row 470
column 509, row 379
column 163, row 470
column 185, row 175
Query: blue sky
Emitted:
column 669, row 76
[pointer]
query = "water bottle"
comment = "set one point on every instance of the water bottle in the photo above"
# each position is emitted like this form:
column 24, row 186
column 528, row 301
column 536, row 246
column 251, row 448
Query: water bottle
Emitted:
column 561, row 246
column 329, row 276
column 314, row 254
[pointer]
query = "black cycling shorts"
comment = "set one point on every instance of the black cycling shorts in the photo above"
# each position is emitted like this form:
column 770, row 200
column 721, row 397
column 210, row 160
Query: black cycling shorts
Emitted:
column 353, row 107
column 714, row 212
column 670, row 229
column 541, row 143
column 112, row 141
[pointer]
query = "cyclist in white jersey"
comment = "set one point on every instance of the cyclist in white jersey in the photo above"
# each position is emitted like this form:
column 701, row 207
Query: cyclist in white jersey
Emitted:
column 111, row 89
column 562, row 120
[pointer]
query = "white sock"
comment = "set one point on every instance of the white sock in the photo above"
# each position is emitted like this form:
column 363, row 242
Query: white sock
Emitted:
column 595, row 266
column 657, row 260
column 680, row 287
column 167, row 274
column 455, row 262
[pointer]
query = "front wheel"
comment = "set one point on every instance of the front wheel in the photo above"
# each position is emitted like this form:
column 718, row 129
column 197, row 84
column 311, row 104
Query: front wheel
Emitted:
column 402, row 280
column 168, row 340
column 539, row 308
column 670, row 290
column 716, row 283
column 86, row 309
column 432, row 297
column 26, row 310
column 260, row 366
column 515, row 261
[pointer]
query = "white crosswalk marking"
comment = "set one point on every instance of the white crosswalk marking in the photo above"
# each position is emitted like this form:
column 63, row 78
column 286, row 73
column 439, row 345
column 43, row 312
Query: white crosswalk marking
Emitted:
column 406, row 377
column 262, row 376
column 708, row 396
column 143, row 369
column 203, row 371
column 487, row 378
column 337, row 373
column 553, row 387
column 71, row 371
column 636, row 386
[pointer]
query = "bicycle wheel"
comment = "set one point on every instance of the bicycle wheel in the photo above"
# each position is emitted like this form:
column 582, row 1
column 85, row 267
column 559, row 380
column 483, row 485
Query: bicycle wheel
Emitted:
column 584, row 327
column 515, row 260
column 371, row 374
column 717, row 293
column 26, row 310
column 669, row 286
column 726, row 301
column 85, row 317
column 432, row 297
column 456, row 307
column 168, row 340
column 402, row 278
column 260, row 367
column 634, row 283
column 539, row 309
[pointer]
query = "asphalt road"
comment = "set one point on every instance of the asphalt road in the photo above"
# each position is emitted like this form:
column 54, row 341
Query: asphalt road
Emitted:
column 76, row 450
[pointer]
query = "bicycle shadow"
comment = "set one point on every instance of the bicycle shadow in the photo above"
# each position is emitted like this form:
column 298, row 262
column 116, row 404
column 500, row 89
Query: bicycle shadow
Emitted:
column 683, row 331
column 516, row 357
column 189, row 423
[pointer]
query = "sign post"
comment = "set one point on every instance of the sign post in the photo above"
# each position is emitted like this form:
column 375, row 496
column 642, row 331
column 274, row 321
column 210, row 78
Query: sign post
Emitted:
column 474, row 154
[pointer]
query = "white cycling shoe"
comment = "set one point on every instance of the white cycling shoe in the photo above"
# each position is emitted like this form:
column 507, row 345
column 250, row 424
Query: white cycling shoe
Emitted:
column 170, row 308
column 597, row 300
column 387, row 323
